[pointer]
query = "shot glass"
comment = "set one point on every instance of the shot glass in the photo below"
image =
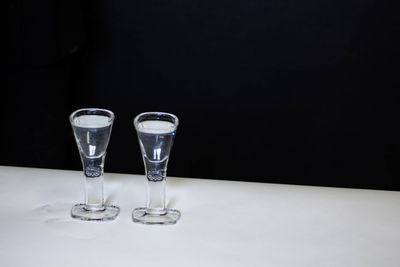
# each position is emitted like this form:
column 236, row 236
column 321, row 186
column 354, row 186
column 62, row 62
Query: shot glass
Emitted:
column 92, row 130
column 156, row 132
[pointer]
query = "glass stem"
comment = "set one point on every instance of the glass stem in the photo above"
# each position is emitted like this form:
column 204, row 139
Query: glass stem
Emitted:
column 94, row 188
column 156, row 181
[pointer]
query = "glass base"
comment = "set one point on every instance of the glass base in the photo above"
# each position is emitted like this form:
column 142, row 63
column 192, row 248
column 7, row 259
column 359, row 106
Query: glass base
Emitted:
column 109, row 213
column 140, row 215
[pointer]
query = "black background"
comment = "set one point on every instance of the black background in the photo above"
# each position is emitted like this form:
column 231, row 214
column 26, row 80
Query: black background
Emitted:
column 300, row 92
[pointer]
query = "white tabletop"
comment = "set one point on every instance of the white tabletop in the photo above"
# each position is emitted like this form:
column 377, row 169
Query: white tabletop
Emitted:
column 223, row 223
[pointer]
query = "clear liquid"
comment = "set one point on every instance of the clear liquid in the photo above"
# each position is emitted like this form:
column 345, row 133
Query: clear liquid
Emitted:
column 156, row 139
column 92, row 133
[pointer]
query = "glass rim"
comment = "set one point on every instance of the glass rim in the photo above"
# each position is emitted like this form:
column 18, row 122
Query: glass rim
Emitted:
column 106, row 112
column 157, row 113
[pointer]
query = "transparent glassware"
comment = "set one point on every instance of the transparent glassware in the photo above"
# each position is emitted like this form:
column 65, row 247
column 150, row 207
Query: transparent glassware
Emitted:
column 92, row 130
column 156, row 132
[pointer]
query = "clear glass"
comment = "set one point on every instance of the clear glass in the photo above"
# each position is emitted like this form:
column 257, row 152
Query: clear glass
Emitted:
column 156, row 132
column 92, row 130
